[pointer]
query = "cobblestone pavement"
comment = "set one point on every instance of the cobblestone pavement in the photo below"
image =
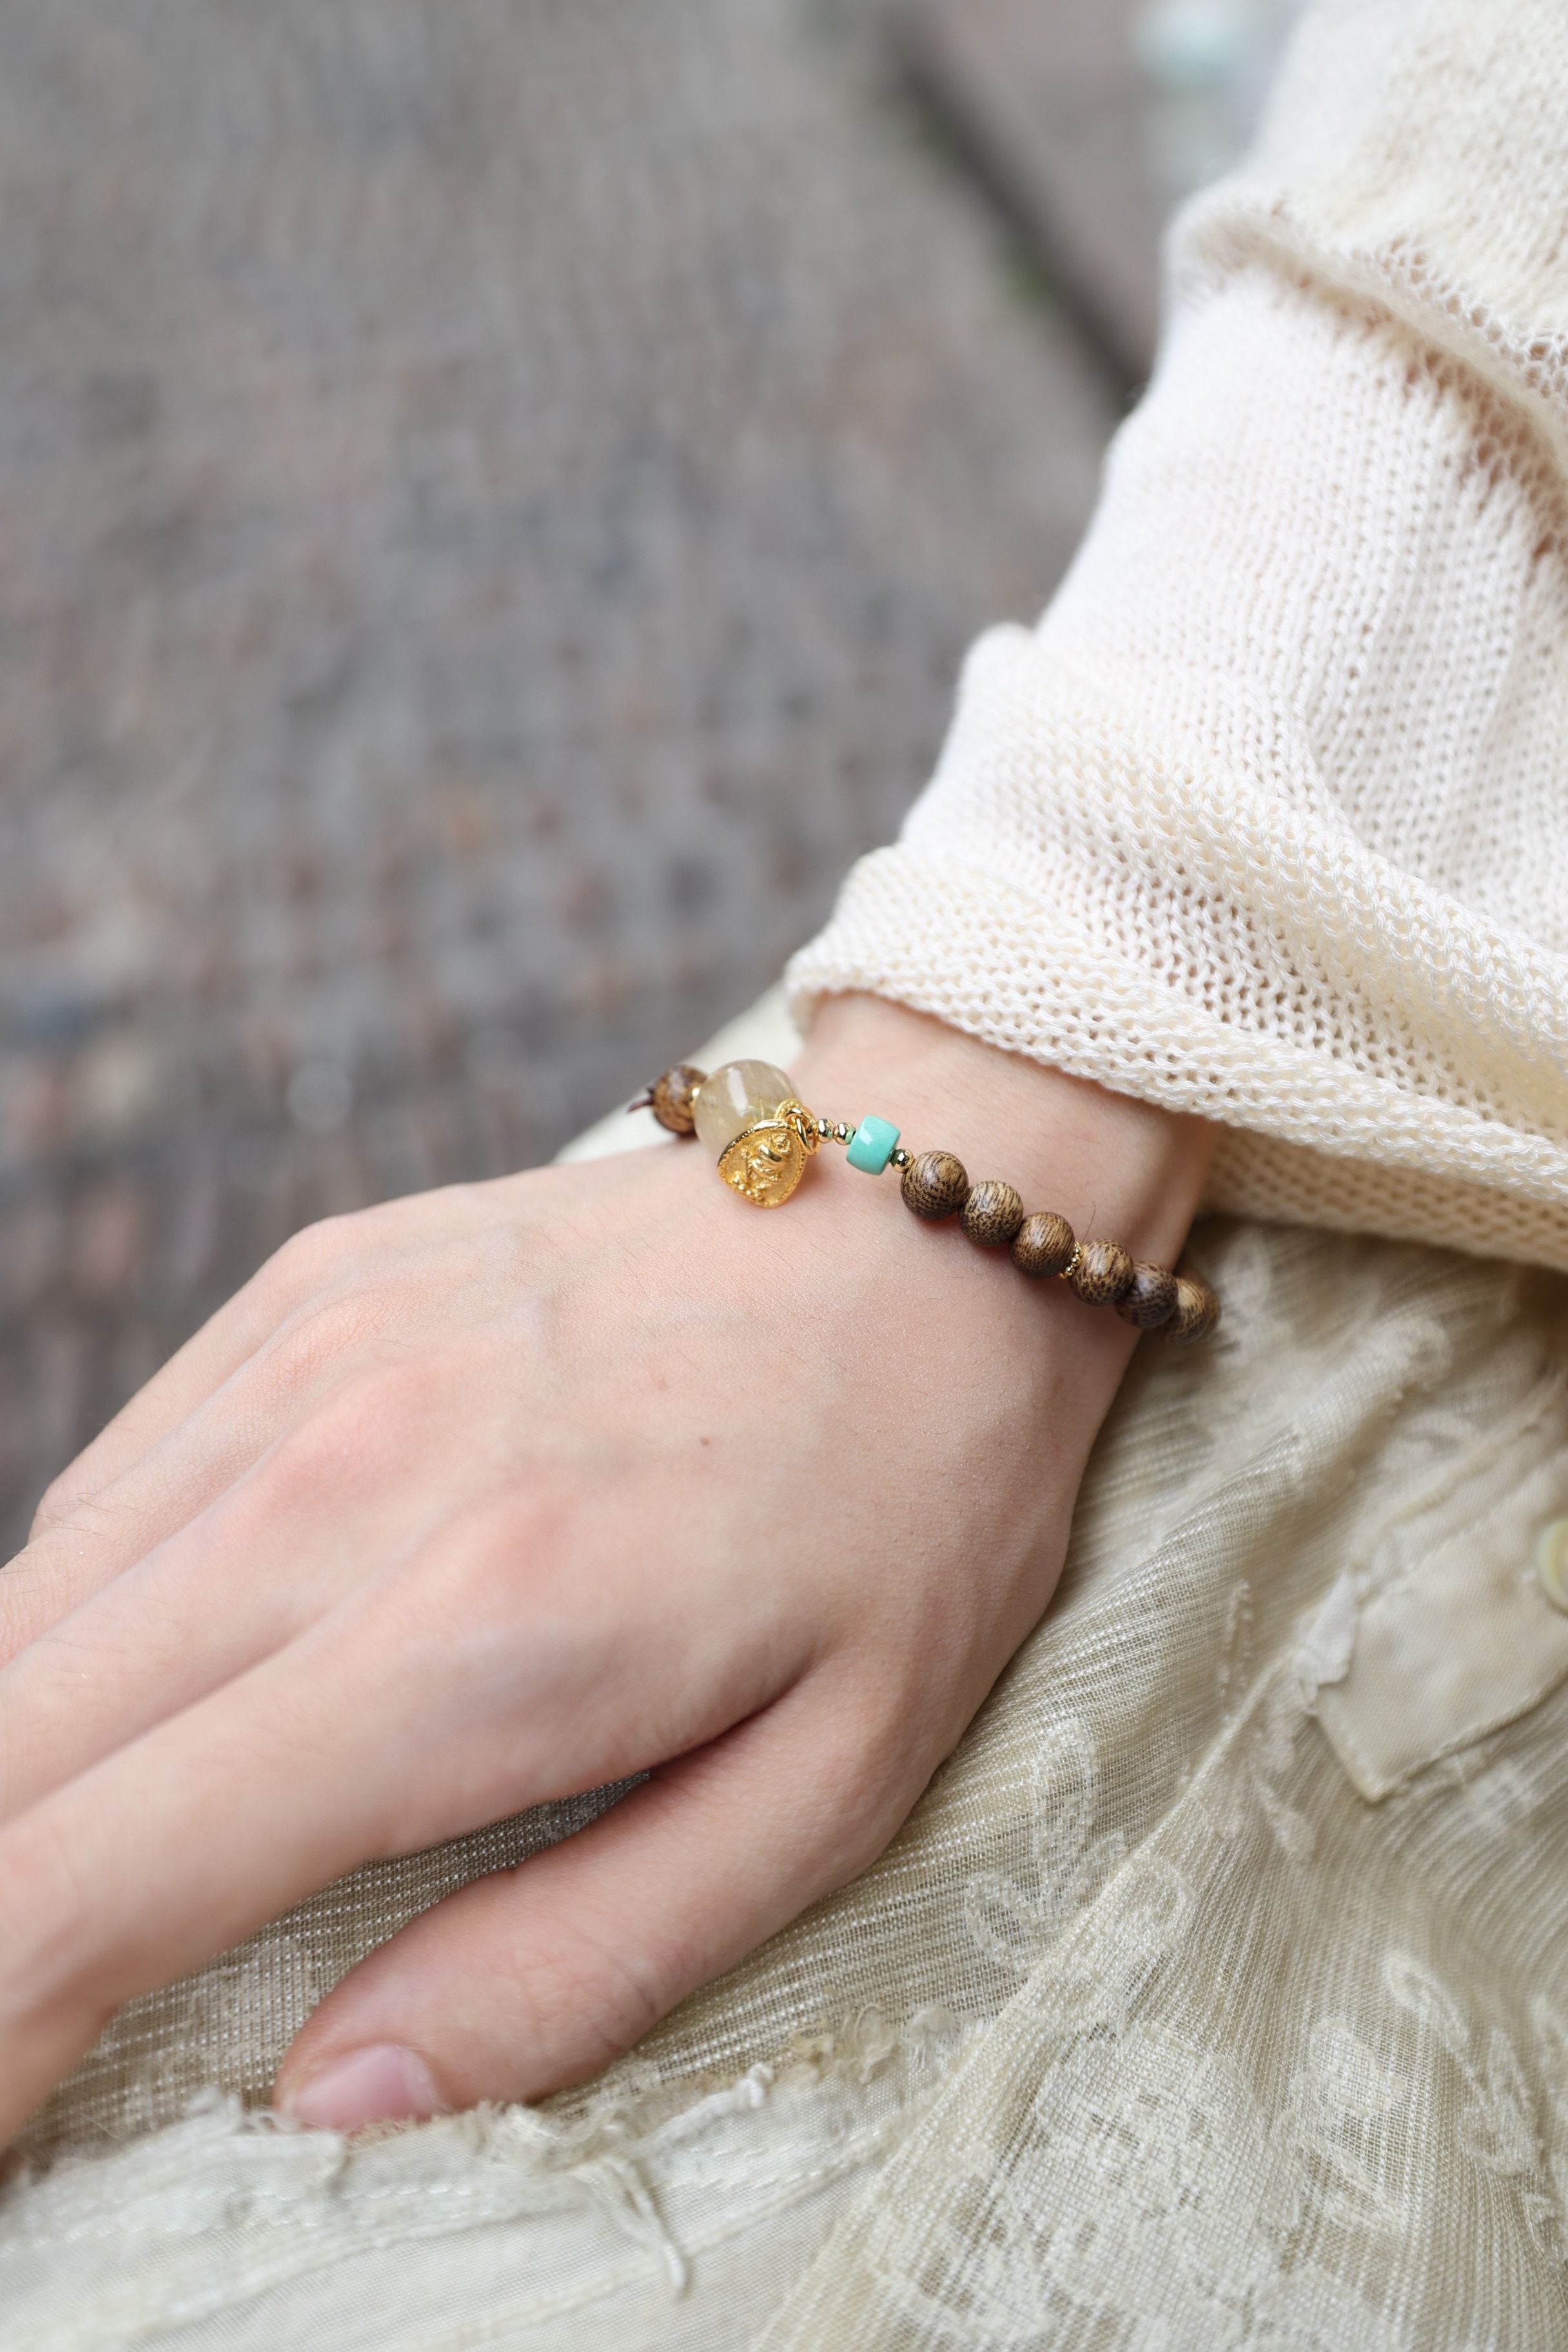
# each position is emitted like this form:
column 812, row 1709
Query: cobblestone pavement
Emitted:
column 493, row 501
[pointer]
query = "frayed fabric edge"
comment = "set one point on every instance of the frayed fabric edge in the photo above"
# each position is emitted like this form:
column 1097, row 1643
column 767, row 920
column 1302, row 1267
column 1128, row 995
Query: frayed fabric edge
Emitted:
column 224, row 2165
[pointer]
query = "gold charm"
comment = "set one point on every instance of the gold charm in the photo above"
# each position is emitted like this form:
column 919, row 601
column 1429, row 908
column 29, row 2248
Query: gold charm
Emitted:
column 765, row 1162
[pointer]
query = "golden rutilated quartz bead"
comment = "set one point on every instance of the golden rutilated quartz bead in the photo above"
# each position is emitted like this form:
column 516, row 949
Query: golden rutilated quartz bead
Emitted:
column 992, row 1214
column 935, row 1185
column 736, row 1096
column 1044, row 1243
column 1151, row 1297
column 671, row 1098
column 1103, row 1273
column 1196, row 1310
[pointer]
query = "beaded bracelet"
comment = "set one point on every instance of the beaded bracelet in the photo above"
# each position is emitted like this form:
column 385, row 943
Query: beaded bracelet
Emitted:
column 748, row 1113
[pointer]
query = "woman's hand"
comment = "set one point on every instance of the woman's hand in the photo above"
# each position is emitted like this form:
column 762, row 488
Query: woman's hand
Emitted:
column 491, row 1495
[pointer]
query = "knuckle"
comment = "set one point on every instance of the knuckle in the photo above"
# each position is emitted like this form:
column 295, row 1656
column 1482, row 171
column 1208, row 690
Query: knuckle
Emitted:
column 317, row 1251
column 592, row 1991
column 350, row 1430
column 71, row 1505
column 295, row 1261
column 503, row 1552
column 78, row 1525
column 317, row 1336
column 55, row 1504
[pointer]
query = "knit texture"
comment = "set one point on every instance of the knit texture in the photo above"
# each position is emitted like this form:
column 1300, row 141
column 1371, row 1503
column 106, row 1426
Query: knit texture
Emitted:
column 1267, row 819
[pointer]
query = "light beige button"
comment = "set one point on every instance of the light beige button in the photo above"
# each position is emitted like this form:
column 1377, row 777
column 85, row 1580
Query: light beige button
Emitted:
column 1552, row 1563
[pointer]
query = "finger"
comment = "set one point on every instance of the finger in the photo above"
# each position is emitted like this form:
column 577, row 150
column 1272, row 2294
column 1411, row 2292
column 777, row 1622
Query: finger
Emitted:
column 316, row 1259
column 539, row 1976
column 325, row 1342
column 350, row 1495
column 343, row 1746
column 144, row 1867
column 206, row 1359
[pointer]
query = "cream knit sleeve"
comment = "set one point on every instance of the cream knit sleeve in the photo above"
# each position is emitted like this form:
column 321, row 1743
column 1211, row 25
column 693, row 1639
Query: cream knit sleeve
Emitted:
column 1267, row 819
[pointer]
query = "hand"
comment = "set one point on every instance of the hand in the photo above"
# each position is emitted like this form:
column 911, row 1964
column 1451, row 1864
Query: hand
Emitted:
column 493, row 1494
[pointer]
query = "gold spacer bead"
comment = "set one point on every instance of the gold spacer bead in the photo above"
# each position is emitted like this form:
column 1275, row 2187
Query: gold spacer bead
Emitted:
column 900, row 1157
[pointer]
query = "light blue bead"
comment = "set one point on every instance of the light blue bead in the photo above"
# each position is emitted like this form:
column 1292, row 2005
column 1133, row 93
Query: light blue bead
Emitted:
column 873, row 1145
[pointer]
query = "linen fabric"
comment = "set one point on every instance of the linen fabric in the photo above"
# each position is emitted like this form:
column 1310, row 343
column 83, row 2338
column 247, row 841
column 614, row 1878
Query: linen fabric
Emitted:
column 1267, row 819
column 1216, row 1992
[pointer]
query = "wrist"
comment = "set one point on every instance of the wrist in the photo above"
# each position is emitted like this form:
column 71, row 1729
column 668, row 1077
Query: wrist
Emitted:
column 1110, row 1163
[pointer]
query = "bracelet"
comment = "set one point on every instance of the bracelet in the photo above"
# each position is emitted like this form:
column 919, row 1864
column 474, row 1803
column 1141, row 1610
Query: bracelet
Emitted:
column 749, row 1115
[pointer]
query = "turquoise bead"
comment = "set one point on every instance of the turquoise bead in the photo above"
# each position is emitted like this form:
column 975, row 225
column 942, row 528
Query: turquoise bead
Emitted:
column 873, row 1145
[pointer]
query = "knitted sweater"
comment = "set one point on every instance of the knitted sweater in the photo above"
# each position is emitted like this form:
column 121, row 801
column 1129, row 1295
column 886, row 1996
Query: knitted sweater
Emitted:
column 1267, row 818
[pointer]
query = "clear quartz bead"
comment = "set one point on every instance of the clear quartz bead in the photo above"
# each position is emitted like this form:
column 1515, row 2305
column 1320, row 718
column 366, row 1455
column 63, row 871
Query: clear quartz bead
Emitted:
column 737, row 1096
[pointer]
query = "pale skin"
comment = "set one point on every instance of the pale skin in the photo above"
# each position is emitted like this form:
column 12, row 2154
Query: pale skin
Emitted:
column 499, row 1493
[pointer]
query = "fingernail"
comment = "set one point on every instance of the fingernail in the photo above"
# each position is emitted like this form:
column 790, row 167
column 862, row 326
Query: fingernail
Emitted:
column 379, row 2084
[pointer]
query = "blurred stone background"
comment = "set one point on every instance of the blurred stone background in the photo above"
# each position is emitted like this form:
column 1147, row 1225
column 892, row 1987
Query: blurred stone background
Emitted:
column 493, row 501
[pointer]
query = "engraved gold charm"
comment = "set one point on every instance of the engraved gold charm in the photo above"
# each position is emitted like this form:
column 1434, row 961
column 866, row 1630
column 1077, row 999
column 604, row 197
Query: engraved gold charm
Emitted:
column 764, row 1163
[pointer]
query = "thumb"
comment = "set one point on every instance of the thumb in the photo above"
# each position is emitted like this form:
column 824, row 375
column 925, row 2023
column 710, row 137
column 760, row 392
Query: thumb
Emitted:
column 539, row 1976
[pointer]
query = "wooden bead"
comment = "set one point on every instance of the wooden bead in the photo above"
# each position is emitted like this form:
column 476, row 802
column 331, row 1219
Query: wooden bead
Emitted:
column 935, row 1185
column 672, row 1098
column 1150, row 1299
column 1044, row 1243
column 1103, row 1273
column 992, row 1214
column 1196, row 1312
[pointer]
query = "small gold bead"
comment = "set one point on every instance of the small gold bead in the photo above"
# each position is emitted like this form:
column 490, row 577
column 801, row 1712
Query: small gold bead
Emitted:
column 935, row 1185
column 824, row 1127
column 841, row 1134
column 1044, row 1243
column 900, row 1158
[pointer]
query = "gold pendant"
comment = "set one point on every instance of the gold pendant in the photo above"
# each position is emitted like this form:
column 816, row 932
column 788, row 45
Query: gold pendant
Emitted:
column 765, row 1162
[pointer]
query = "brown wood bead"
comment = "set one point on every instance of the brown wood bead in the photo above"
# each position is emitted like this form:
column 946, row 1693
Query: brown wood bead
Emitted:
column 1044, row 1243
column 1196, row 1310
column 1103, row 1273
column 1151, row 1300
column 992, row 1214
column 935, row 1185
column 672, row 1098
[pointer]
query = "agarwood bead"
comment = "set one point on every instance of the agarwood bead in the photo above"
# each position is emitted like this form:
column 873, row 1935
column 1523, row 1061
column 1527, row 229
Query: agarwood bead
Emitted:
column 1196, row 1312
column 1150, row 1299
column 1043, row 1244
column 1103, row 1273
column 935, row 1185
column 992, row 1214
column 672, row 1098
